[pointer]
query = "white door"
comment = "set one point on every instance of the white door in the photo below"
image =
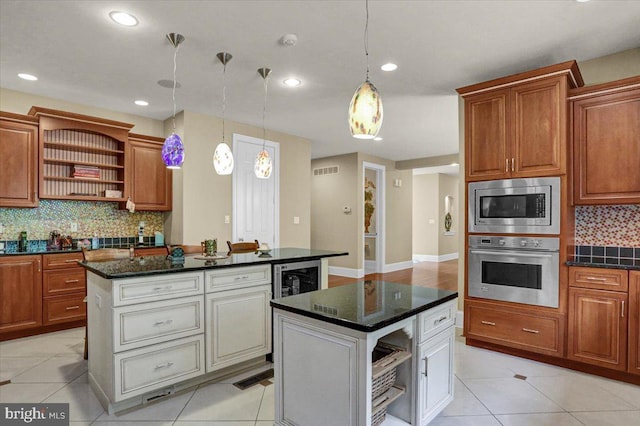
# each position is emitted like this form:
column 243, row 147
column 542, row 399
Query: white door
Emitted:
column 373, row 184
column 255, row 201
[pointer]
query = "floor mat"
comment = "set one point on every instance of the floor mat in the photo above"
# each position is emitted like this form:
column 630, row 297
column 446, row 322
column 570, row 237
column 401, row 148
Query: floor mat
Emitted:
column 254, row 380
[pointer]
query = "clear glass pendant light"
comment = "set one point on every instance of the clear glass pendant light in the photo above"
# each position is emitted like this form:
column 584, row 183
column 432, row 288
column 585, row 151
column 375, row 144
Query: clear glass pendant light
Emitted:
column 173, row 148
column 263, row 165
column 365, row 109
column 222, row 156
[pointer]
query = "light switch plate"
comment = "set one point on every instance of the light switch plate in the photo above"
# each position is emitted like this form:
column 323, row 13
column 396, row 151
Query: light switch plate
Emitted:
column 227, row 219
column 296, row 220
column 74, row 226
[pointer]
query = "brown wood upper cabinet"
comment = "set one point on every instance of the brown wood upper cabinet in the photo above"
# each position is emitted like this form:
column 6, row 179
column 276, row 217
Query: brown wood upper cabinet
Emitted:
column 18, row 160
column 606, row 142
column 516, row 126
column 151, row 181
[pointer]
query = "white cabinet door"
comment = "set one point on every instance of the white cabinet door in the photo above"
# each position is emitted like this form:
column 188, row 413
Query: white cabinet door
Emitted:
column 435, row 380
column 238, row 326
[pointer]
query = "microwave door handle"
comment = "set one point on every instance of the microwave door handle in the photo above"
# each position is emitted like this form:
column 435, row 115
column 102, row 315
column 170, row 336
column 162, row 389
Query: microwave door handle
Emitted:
column 510, row 253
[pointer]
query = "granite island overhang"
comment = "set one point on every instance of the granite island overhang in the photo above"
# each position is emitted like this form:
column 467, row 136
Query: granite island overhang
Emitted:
column 377, row 353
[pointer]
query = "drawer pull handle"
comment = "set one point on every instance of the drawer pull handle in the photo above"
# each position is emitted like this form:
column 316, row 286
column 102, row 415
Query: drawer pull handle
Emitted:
column 622, row 310
column 71, row 261
column 71, row 308
column 528, row 330
column 488, row 323
column 165, row 365
column 166, row 322
column 244, row 277
column 426, row 366
column 71, row 281
column 595, row 279
column 165, row 288
column 439, row 320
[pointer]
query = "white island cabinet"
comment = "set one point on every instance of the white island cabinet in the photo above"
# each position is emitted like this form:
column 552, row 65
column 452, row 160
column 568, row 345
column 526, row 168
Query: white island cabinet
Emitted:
column 372, row 353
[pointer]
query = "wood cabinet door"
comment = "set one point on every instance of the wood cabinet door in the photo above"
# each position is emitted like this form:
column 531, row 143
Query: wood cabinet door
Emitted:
column 20, row 292
column 598, row 328
column 634, row 322
column 151, row 181
column 18, row 164
column 606, row 143
column 538, row 128
column 486, row 133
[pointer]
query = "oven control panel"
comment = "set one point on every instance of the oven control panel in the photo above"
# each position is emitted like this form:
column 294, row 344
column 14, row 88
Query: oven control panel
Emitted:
column 521, row 243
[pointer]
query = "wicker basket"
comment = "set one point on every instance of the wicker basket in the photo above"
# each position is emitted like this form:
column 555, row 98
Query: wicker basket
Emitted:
column 383, row 383
column 378, row 417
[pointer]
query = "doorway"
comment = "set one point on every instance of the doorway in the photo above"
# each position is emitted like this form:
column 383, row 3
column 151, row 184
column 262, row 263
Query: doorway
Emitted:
column 256, row 201
column 374, row 223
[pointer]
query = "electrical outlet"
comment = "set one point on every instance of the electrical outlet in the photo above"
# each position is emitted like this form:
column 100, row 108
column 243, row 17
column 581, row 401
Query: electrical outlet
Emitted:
column 296, row 220
column 227, row 219
column 74, row 227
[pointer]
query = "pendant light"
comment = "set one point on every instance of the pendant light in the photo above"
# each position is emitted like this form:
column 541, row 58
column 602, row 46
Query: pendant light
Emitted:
column 365, row 110
column 222, row 156
column 173, row 149
column 262, row 167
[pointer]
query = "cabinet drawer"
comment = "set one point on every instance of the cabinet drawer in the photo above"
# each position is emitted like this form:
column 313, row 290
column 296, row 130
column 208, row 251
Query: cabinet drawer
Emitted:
column 532, row 331
column 61, row 260
column 231, row 278
column 63, row 281
column 161, row 287
column 435, row 320
column 61, row 309
column 149, row 323
column 146, row 369
column 599, row 278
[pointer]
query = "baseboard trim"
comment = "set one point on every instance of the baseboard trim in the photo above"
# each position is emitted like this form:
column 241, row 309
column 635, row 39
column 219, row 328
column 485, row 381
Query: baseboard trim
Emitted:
column 392, row 267
column 346, row 272
column 433, row 258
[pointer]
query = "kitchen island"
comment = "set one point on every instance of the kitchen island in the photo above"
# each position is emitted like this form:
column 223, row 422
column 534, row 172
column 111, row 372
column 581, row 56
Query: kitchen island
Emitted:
column 364, row 354
column 158, row 325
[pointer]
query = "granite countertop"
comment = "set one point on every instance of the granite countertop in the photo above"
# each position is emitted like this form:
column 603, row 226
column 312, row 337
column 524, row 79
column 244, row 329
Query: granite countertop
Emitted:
column 633, row 266
column 366, row 305
column 23, row 253
column 153, row 265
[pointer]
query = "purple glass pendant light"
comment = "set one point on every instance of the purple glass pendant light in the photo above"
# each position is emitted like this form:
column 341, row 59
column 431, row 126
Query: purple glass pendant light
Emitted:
column 173, row 148
column 263, row 165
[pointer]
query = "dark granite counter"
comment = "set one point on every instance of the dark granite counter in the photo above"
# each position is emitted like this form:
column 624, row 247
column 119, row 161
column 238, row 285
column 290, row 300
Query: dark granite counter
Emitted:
column 633, row 266
column 153, row 265
column 365, row 306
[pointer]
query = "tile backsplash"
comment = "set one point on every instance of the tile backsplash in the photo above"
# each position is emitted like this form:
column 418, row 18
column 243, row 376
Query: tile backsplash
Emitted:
column 103, row 219
column 608, row 226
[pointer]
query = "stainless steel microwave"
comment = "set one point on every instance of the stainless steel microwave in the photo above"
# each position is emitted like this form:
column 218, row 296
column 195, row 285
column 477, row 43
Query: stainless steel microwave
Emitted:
column 515, row 206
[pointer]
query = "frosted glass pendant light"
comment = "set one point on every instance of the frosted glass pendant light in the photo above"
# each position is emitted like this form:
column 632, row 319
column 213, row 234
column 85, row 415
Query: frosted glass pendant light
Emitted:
column 173, row 148
column 365, row 109
column 222, row 156
column 263, row 166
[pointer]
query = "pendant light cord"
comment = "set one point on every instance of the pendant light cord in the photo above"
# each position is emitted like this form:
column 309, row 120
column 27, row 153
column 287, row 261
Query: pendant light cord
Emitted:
column 224, row 95
column 175, row 66
column 366, row 36
column 264, row 113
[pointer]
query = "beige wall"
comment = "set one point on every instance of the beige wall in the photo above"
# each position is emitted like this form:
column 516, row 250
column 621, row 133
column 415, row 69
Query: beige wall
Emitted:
column 611, row 67
column 331, row 229
column 21, row 103
column 448, row 185
column 206, row 197
column 425, row 209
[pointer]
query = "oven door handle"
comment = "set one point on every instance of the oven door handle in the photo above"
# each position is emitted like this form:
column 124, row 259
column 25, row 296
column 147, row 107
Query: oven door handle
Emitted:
column 512, row 253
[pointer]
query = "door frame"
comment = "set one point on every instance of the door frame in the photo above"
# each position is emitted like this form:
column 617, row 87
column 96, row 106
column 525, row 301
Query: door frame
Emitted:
column 275, row 175
column 379, row 215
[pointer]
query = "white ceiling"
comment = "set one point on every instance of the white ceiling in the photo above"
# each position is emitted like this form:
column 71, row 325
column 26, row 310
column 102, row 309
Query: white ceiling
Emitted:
column 80, row 55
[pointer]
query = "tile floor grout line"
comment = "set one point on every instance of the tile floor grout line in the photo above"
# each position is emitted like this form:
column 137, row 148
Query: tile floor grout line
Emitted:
column 187, row 403
column 474, row 395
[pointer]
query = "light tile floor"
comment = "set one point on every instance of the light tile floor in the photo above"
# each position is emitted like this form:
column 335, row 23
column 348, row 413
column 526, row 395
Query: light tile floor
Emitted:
column 50, row 368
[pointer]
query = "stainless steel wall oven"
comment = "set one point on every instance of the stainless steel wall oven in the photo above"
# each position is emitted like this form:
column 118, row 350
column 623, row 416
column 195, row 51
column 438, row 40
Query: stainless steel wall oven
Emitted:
column 514, row 269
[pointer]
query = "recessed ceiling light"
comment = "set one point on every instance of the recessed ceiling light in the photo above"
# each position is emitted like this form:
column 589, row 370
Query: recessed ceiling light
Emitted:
column 292, row 82
column 123, row 18
column 389, row 67
column 27, row 77
column 377, row 139
column 141, row 102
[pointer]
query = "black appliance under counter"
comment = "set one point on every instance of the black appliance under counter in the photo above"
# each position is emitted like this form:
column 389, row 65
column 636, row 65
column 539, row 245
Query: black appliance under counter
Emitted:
column 366, row 305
